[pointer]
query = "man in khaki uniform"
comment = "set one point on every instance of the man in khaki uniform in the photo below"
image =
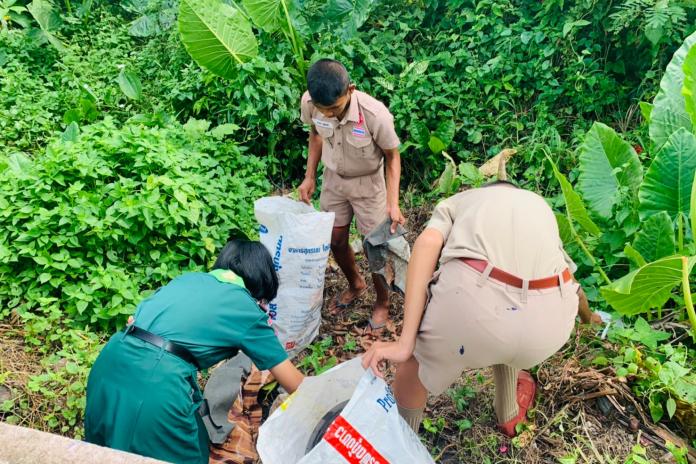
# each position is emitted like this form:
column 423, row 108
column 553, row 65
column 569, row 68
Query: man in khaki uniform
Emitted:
column 352, row 134
column 503, row 296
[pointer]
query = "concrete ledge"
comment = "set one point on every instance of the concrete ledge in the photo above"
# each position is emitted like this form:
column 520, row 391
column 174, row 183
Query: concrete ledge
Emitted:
column 20, row 445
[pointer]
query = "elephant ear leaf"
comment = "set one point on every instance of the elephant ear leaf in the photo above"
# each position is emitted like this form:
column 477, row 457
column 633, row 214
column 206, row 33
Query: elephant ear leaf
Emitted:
column 608, row 166
column 348, row 15
column 689, row 89
column 648, row 287
column 49, row 22
column 575, row 208
column 655, row 239
column 669, row 108
column 269, row 15
column 216, row 35
column 668, row 181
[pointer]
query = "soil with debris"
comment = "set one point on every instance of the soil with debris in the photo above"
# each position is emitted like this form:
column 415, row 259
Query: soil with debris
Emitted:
column 17, row 365
column 582, row 414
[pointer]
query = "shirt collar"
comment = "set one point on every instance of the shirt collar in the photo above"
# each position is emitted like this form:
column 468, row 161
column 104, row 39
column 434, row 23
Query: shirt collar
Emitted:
column 353, row 113
column 227, row 276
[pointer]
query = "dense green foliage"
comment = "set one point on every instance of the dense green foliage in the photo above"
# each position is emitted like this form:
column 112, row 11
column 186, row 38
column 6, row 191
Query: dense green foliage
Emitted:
column 504, row 74
column 109, row 212
column 660, row 252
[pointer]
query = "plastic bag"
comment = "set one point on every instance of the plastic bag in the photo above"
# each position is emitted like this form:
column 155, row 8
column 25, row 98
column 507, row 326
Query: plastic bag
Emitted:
column 299, row 240
column 369, row 430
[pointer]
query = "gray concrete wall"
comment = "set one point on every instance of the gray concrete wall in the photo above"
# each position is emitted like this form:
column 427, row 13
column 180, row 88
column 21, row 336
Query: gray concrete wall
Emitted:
column 20, row 445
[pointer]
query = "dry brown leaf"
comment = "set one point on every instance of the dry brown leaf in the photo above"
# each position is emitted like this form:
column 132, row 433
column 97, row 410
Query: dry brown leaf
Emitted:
column 491, row 167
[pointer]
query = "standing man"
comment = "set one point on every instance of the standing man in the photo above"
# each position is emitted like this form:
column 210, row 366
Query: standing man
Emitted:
column 352, row 134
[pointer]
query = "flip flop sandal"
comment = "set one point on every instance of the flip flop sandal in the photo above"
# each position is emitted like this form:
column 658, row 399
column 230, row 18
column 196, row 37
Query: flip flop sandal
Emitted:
column 372, row 327
column 338, row 306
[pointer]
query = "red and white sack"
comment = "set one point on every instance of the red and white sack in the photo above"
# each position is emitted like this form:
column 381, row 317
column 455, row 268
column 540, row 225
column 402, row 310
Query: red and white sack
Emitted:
column 369, row 430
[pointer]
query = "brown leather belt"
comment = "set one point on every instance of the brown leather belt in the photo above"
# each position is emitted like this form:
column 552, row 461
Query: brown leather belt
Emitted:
column 504, row 277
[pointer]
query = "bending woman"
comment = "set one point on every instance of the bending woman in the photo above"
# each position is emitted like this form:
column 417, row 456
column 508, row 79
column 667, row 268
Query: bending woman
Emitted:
column 142, row 392
column 503, row 296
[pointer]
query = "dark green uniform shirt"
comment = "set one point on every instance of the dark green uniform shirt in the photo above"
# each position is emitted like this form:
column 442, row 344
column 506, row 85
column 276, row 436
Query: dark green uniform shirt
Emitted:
column 143, row 399
column 212, row 317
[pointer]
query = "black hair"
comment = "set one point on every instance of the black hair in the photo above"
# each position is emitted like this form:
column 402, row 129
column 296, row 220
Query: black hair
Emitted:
column 326, row 81
column 252, row 262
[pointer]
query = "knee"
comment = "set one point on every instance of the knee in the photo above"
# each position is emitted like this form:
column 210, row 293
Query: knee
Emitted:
column 338, row 244
column 339, row 240
column 407, row 372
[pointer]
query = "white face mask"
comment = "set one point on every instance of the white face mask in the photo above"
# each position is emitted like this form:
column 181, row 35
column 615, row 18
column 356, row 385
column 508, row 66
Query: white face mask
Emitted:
column 323, row 123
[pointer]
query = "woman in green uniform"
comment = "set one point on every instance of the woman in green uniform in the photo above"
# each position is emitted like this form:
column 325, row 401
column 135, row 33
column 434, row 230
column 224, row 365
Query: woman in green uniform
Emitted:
column 142, row 393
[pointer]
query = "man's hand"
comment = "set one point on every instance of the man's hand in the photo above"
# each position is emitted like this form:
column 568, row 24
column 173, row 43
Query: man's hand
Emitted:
column 596, row 319
column 306, row 189
column 396, row 217
column 397, row 352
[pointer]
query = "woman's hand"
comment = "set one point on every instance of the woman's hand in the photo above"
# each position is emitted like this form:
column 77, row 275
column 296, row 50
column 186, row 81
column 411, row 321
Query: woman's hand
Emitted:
column 398, row 352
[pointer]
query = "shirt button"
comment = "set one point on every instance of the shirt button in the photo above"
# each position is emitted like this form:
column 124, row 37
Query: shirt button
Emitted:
column 339, row 143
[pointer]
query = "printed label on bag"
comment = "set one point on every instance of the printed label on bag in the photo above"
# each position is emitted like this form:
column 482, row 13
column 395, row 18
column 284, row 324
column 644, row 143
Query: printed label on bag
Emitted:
column 354, row 448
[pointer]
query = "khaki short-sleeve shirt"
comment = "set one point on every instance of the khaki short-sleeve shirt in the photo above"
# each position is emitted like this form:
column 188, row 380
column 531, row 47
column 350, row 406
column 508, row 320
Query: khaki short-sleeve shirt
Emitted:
column 513, row 229
column 353, row 146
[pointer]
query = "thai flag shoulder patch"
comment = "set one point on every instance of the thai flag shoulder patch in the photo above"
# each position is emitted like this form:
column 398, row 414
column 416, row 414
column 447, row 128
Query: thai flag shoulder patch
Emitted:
column 359, row 132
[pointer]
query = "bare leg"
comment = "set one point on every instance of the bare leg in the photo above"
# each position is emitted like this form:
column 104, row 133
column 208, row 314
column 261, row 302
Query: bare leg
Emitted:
column 380, row 311
column 410, row 393
column 343, row 254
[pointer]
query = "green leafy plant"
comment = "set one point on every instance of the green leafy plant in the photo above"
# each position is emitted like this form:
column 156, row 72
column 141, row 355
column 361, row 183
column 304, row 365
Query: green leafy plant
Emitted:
column 219, row 36
column 638, row 455
column 611, row 181
column 434, row 426
column 153, row 16
column 351, row 343
column 318, row 360
column 130, row 84
column 90, row 224
column 464, row 424
column 668, row 111
column 11, row 12
column 678, row 453
column 661, row 373
column 461, row 397
column 659, row 21
column 48, row 19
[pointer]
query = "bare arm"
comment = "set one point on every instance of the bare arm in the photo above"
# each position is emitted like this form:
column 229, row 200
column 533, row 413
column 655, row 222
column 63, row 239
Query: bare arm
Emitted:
column 287, row 375
column 421, row 267
column 584, row 311
column 426, row 252
column 393, row 178
column 308, row 185
column 314, row 154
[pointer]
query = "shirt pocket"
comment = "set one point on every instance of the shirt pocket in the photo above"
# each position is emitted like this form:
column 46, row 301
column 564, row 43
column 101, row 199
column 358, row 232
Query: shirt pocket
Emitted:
column 193, row 391
column 359, row 147
column 325, row 132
